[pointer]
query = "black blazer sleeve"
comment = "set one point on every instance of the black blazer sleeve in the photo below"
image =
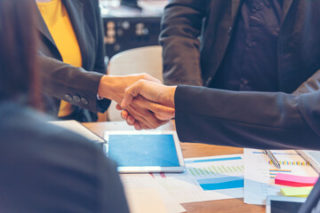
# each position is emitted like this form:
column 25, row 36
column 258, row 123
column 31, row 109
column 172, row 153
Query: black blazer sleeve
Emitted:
column 180, row 29
column 65, row 82
column 249, row 119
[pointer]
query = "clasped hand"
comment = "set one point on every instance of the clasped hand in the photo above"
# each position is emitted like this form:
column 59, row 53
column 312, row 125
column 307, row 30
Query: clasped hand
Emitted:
column 154, row 97
column 143, row 99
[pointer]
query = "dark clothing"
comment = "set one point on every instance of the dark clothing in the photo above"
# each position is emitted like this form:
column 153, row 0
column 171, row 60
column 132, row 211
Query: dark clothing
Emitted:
column 312, row 205
column 45, row 168
column 250, row 62
column 262, row 120
column 78, row 86
column 189, row 61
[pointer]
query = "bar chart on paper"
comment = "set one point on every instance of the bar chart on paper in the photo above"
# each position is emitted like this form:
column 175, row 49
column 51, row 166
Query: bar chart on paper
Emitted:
column 206, row 178
column 260, row 173
column 217, row 173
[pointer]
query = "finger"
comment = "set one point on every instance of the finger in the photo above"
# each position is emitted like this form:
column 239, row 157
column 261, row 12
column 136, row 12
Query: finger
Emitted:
column 131, row 120
column 145, row 117
column 124, row 114
column 142, row 125
column 151, row 78
column 130, row 93
column 137, row 126
column 142, row 119
column 161, row 112
column 133, row 114
column 118, row 107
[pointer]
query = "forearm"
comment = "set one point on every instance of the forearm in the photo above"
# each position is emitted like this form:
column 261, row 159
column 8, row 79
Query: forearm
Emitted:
column 247, row 119
column 64, row 82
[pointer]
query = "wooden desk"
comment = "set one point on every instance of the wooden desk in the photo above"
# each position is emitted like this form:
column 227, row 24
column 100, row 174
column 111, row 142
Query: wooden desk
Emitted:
column 193, row 150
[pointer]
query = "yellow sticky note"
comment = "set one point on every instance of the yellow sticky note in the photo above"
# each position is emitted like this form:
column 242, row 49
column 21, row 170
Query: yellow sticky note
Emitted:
column 296, row 191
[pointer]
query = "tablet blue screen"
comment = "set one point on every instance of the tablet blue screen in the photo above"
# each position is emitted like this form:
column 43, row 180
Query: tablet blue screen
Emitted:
column 143, row 150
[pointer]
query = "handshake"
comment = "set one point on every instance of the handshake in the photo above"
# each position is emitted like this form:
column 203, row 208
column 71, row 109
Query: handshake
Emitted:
column 143, row 100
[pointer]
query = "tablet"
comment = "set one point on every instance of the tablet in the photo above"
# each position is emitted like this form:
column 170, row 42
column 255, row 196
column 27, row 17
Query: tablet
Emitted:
column 281, row 204
column 144, row 151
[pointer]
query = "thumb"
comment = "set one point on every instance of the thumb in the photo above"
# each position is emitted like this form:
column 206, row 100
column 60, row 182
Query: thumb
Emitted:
column 161, row 112
column 130, row 93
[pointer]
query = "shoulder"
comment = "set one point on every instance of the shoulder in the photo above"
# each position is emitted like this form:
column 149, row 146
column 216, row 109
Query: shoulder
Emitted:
column 52, row 163
column 25, row 127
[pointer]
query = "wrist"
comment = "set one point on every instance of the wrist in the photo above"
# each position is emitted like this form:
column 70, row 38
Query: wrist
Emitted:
column 170, row 97
column 108, row 88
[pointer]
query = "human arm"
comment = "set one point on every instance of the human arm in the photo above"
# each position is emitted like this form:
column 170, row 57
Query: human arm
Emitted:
column 155, row 97
column 244, row 119
column 248, row 119
column 80, row 87
column 180, row 28
column 66, row 82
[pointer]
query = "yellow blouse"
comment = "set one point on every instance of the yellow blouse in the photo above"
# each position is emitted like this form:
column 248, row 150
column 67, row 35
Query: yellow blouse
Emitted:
column 60, row 27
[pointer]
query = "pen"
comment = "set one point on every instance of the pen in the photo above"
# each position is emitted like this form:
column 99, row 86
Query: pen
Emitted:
column 272, row 158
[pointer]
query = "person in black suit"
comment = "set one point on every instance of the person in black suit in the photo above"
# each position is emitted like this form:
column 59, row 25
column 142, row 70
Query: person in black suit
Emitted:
column 43, row 168
column 85, row 87
column 263, row 120
column 244, row 45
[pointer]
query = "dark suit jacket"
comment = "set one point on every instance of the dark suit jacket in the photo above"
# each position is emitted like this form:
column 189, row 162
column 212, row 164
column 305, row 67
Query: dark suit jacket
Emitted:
column 187, row 61
column 261, row 120
column 48, row 169
column 78, row 86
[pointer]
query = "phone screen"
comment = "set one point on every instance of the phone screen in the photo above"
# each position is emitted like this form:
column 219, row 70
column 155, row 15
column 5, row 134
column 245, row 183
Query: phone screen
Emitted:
column 284, row 206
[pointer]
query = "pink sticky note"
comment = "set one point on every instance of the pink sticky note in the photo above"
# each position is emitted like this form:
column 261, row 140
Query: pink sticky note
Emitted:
column 295, row 180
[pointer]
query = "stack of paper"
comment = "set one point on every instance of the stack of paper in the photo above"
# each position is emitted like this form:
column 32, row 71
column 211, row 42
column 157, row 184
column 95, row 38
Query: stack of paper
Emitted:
column 260, row 174
column 78, row 128
column 145, row 195
column 209, row 178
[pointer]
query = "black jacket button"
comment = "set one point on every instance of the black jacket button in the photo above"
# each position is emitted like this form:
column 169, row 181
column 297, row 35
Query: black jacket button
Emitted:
column 76, row 99
column 68, row 97
column 84, row 101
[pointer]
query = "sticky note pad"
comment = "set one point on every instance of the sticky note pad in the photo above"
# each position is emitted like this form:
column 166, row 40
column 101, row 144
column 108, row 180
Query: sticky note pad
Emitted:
column 294, row 180
column 296, row 191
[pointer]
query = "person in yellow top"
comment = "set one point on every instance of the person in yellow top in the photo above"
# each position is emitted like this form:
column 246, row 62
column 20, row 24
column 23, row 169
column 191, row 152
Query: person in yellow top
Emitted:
column 60, row 27
column 71, row 56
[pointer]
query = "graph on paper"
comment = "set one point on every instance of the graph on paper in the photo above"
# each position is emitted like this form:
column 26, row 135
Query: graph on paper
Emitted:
column 260, row 173
column 216, row 170
column 289, row 161
column 217, row 173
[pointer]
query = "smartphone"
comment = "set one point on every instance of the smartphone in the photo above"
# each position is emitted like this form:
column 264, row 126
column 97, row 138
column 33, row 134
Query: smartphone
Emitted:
column 281, row 204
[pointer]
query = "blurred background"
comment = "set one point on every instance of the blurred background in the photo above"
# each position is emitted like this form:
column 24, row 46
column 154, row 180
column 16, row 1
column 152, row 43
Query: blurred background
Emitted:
column 130, row 24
